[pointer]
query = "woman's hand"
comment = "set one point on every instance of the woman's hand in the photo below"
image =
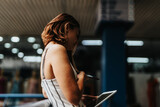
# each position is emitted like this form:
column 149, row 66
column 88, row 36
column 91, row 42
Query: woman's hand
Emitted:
column 89, row 100
column 83, row 76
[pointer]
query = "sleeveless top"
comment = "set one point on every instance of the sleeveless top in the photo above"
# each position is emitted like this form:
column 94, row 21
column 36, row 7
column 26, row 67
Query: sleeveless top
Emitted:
column 53, row 91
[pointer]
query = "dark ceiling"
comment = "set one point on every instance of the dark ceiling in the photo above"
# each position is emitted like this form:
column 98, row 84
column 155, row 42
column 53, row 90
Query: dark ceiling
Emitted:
column 28, row 17
column 24, row 18
column 147, row 20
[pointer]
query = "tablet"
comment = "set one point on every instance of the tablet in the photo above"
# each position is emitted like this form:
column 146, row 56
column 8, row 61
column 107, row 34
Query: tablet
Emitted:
column 104, row 96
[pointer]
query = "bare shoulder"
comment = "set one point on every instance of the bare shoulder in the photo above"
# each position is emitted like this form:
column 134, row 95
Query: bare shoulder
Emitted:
column 56, row 48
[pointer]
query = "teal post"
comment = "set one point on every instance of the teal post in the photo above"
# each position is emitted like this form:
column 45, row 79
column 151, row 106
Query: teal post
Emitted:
column 114, row 61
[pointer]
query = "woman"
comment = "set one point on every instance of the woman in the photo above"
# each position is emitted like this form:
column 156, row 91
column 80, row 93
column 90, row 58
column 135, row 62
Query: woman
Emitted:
column 60, row 82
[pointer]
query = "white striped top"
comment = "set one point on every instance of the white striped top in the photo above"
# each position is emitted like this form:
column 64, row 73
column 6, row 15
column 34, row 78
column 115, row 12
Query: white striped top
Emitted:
column 53, row 91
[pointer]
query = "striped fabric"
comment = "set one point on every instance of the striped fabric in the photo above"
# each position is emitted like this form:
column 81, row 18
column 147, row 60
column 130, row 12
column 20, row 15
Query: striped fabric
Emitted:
column 53, row 91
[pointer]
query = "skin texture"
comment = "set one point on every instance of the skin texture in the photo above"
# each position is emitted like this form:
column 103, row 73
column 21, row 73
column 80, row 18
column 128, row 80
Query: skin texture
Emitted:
column 57, row 65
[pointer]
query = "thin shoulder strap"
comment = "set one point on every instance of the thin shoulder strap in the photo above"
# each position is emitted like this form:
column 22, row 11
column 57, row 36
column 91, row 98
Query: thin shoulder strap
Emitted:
column 43, row 63
column 74, row 71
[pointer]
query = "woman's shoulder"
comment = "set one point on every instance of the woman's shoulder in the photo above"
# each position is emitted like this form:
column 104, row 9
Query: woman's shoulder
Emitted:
column 56, row 48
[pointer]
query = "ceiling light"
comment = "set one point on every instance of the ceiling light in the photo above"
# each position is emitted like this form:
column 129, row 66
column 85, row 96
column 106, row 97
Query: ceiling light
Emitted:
column 92, row 42
column 15, row 50
column 15, row 39
column 31, row 39
column 39, row 51
column 7, row 45
column 20, row 54
column 32, row 58
column 134, row 42
column 36, row 46
column 137, row 60
column 1, row 38
column 1, row 56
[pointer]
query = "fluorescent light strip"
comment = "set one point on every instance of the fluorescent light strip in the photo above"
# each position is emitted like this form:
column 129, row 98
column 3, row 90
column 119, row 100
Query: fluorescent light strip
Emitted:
column 32, row 58
column 31, row 39
column 137, row 60
column 92, row 42
column 15, row 50
column 39, row 51
column 20, row 54
column 134, row 42
column 15, row 39
column 1, row 56
column 1, row 38
column 7, row 45
column 36, row 46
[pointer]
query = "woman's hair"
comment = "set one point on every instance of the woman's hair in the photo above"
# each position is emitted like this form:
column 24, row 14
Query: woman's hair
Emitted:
column 58, row 27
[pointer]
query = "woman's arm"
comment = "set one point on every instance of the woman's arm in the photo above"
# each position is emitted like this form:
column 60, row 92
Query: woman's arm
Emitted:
column 71, row 88
column 44, row 93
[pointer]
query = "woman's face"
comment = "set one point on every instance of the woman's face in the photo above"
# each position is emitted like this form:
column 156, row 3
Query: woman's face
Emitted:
column 72, row 39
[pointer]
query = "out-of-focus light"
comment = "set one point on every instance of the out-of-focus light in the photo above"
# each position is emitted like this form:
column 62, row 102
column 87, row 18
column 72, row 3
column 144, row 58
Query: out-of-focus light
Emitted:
column 7, row 45
column 15, row 50
column 15, row 39
column 20, row 54
column 32, row 58
column 1, row 56
column 36, row 46
column 134, row 42
column 31, row 39
column 137, row 60
column 92, row 42
column 39, row 51
column 1, row 38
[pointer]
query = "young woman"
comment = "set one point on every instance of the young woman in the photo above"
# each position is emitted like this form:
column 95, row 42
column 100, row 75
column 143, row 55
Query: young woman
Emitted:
column 60, row 82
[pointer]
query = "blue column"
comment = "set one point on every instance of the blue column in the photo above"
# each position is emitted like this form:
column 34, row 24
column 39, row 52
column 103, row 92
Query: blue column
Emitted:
column 113, row 62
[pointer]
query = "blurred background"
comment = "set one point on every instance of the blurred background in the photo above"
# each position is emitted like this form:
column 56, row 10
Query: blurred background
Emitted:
column 119, row 44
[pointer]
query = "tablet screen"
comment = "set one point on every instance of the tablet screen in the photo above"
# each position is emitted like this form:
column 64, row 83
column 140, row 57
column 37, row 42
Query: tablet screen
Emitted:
column 104, row 96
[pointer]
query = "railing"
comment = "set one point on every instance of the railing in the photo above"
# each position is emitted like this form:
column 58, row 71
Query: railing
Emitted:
column 6, row 96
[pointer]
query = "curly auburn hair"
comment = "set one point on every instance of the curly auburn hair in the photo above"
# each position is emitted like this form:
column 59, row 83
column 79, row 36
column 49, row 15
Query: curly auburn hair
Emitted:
column 58, row 27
